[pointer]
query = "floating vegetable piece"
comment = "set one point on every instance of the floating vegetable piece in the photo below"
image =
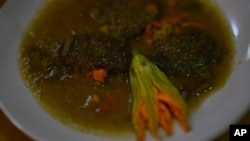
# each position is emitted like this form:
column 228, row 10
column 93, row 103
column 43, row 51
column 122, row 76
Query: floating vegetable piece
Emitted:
column 187, row 58
column 155, row 99
column 80, row 53
column 99, row 75
column 156, row 31
column 124, row 19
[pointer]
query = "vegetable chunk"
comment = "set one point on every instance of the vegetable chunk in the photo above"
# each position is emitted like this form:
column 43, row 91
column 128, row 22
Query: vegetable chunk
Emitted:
column 124, row 19
column 87, row 52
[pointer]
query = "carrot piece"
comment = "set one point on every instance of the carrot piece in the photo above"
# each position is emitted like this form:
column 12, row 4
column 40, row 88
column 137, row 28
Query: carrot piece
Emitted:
column 99, row 75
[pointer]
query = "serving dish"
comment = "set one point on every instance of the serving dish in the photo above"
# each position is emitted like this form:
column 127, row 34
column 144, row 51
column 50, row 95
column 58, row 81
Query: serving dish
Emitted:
column 211, row 118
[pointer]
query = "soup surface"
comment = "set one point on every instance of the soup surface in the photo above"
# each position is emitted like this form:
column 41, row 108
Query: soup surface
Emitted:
column 193, row 46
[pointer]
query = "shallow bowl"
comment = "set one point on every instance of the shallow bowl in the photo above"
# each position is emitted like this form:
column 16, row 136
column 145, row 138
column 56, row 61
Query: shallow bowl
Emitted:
column 211, row 118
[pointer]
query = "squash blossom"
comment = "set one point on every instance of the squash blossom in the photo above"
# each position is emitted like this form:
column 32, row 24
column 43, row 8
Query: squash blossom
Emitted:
column 155, row 99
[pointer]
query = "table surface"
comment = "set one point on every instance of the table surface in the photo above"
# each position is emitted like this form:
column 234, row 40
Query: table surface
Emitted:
column 8, row 132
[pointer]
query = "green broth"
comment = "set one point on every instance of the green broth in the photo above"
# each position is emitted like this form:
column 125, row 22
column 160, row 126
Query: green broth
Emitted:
column 73, row 101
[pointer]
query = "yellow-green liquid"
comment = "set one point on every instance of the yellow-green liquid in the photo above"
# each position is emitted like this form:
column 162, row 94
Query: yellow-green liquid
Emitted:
column 71, row 101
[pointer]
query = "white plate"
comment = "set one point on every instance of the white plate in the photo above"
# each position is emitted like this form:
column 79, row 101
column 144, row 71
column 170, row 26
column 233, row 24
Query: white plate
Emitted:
column 214, row 116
